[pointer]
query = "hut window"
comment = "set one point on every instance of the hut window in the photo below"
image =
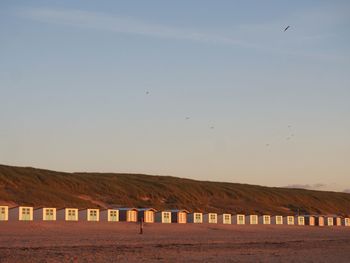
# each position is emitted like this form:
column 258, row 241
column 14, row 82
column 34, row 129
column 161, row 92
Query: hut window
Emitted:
column 113, row 213
column 227, row 217
column 49, row 212
column 71, row 213
column 212, row 217
column 290, row 219
column 93, row 213
column 198, row 217
column 2, row 211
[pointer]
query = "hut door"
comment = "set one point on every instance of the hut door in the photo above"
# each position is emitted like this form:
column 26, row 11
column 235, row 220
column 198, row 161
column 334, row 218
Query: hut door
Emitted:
column 148, row 217
column 113, row 215
column 93, row 215
column 253, row 220
column 166, row 217
column 198, row 218
column 49, row 214
column 2, row 213
column 131, row 216
column 71, row 215
column 25, row 214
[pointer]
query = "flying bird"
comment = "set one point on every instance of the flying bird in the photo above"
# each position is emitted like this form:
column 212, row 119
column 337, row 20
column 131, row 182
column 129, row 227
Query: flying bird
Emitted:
column 147, row 92
column 187, row 118
column 286, row 28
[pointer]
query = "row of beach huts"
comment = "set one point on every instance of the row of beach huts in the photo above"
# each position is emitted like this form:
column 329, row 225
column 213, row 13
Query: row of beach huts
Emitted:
column 150, row 215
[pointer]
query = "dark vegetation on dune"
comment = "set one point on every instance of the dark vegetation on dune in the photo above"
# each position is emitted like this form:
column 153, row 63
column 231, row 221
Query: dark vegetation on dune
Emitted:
column 37, row 187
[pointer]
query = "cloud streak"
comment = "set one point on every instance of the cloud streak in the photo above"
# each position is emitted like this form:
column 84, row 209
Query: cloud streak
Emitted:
column 317, row 186
column 122, row 24
column 264, row 38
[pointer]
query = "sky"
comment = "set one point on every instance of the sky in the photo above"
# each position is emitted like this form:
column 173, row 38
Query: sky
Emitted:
column 209, row 90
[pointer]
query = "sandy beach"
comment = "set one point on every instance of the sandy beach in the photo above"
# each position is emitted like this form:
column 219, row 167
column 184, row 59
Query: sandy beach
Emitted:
column 121, row 242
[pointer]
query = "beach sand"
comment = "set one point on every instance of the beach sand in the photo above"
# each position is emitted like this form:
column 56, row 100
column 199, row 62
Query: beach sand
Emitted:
column 121, row 242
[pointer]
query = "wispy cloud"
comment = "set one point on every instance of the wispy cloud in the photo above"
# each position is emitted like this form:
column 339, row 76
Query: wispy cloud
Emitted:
column 317, row 186
column 262, row 37
column 346, row 191
column 123, row 24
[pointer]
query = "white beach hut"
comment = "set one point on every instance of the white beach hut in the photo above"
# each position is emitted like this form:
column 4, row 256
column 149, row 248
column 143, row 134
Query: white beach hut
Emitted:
column 4, row 213
column 277, row 220
column 238, row 219
column 128, row 214
column 300, row 220
column 288, row 220
column 195, row 217
column 225, row 219
column 147, row 214
column 163, row 217
column 265, row 219
column 67, row 214
column 319, row 220
column 337, row 221
column 252, row 219
column 179, row 216
column 45, row 214
column 89, row 214
column 346, row 221
column 310, row 220
column 211, row 218
column 329, row 221
column 21, row 213
column 110, row 215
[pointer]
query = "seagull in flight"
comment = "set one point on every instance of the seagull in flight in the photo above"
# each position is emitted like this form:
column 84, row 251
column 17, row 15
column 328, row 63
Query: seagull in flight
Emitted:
column 187, row 118
column 286, row 28
column 147, row 92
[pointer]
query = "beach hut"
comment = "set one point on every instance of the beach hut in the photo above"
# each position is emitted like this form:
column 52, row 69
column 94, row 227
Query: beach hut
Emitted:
column 238, row 219
column 319, row 221
column 300, row 220
column 265, row 219
column 288, row 220
column 21, row 213
column 45, row 214
column 110, row 215
column 195, row 217
column 211, row 218
column 277, row 220
column 4, row 213
column 67, row 214
column 337, row 221
column 128, row 214
column 225, row 219
column 252, row 219
column 346, row 221
column 89, row 214
column 310, row 220
column 179, row 216
column 329, row 221
column 163, row 217
column 147, row 214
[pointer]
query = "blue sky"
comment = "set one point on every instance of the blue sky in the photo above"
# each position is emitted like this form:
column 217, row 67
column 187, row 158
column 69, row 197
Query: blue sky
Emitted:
column 74, row 77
